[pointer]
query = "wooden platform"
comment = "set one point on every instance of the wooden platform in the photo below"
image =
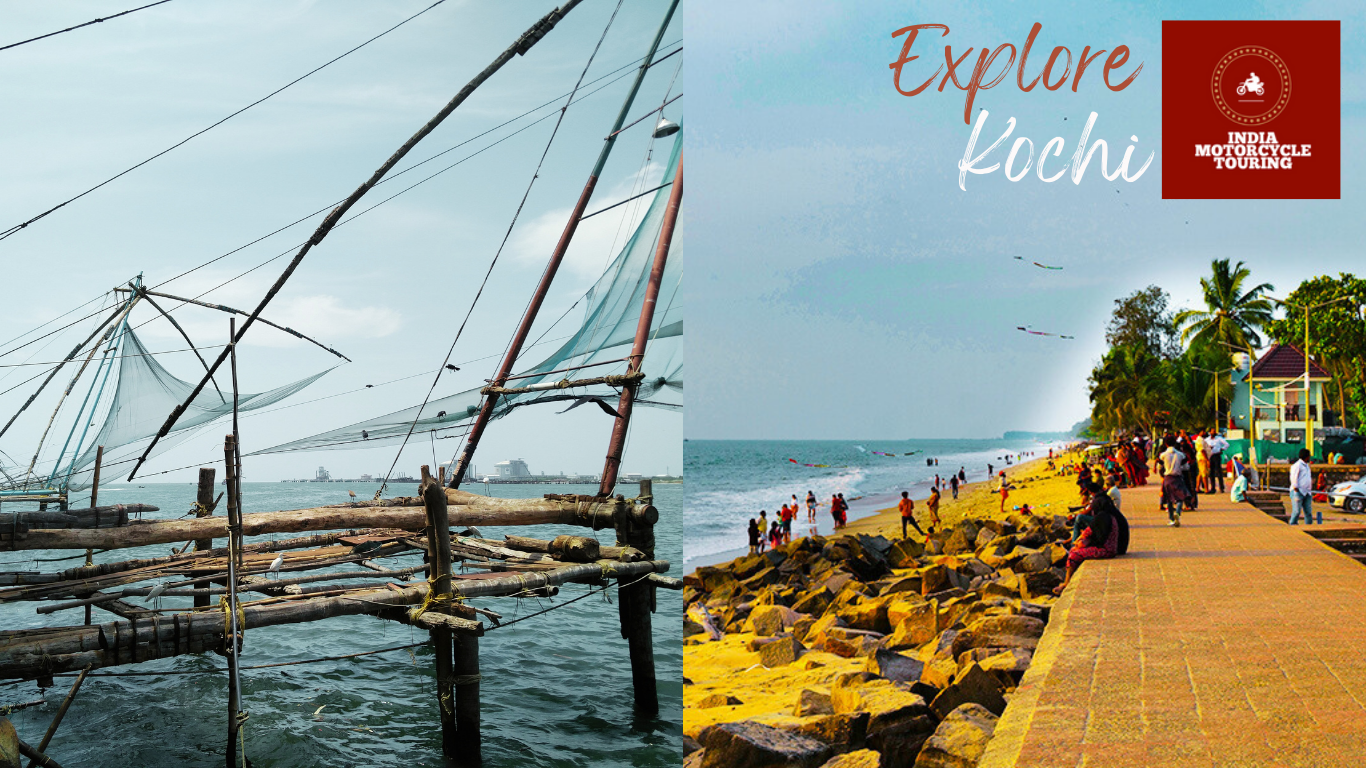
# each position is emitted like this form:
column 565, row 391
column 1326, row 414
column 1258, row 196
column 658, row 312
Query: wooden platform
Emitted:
column 1233, row 640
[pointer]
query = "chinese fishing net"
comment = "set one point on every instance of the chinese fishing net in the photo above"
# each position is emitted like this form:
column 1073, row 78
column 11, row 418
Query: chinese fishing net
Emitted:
column 144, row 394
column 606, row 334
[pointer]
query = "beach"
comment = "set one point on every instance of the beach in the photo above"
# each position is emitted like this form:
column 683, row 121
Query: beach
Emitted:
column 729, row 680
column 730, row 481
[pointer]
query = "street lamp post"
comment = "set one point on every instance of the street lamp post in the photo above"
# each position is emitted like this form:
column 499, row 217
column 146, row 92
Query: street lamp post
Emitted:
column 1308, row 420
column 1217, row 374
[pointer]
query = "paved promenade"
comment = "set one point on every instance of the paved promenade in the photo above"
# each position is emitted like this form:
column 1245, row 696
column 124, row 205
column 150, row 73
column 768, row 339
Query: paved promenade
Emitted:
column 1233, row 640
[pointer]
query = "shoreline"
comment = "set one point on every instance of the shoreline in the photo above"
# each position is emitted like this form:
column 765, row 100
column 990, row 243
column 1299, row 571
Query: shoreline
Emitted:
column 811, row 638
column 876, row 513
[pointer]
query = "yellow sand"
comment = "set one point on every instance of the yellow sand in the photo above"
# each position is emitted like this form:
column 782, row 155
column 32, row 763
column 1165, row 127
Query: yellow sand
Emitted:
column 1035, row 485
column 728, row 668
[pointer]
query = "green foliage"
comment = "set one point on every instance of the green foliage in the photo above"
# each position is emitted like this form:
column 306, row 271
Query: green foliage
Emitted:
column 1147, row 380
column 1232, row 316
column 1141, row 319
column 1337, row 336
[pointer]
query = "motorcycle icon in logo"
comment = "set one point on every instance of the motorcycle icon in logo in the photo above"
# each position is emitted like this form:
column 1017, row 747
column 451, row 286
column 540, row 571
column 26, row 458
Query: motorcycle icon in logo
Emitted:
column 1252, row 84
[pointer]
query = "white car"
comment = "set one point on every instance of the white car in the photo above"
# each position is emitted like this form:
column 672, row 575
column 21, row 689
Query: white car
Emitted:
column 1350, row 496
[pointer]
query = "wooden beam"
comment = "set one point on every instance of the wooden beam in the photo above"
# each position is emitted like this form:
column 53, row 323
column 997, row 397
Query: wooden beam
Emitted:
column 595, row 514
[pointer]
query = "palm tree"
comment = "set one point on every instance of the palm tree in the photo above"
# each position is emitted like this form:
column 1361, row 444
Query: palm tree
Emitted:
column 1232, row 316
column 1126, row 389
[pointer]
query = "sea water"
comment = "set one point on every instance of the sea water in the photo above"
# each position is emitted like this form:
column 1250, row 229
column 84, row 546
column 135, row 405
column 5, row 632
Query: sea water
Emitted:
column 556, row 689
column 730, row 481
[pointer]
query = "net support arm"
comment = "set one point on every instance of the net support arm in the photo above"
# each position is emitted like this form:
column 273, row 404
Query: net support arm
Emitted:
column 235, row 311
column 617, row 443
column 490, row 402
column 71, row 356
column 147, row 295
column 520, row 46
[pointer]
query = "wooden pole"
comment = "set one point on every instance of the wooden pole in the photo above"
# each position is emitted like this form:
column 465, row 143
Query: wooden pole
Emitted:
column 523, row 44
column 61, row 713
column 232, row 459
column 635, row 603
column 203, row 508
column 617, row 444
column 596, row 513
column 439, row 548
column 476, row 430
column 466, row 673
column 94, row 504
column 230, row 642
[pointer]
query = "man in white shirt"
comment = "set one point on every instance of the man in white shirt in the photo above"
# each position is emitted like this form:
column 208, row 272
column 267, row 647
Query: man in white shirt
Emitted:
column 1301, row 491
column 1217, row 446
column 1174, row 490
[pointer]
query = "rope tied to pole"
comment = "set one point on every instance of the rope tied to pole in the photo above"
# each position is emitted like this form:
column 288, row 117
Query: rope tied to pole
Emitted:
column 227, row 623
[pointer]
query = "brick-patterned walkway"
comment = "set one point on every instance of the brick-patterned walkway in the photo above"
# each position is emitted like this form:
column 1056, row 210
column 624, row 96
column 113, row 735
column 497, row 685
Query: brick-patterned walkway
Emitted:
column 1233, row 640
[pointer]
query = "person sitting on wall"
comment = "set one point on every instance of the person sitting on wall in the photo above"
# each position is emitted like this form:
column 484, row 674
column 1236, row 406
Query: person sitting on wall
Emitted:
column 1238, row 493
column 1099, row 541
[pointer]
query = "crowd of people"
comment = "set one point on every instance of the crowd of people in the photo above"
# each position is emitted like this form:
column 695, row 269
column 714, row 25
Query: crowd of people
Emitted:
column 764, row 533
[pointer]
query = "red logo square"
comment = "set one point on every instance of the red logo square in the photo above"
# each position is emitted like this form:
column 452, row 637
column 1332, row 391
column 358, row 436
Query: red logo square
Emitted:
column 1251, row 110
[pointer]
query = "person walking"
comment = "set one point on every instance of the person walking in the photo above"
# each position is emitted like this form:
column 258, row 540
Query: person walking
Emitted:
column 811, row 508
column 1173, row 482
column 1216, row 459
column 962, row 475
column 907, row 509
column 932, row 504
column 835, row 509
column 844, row 510
column 953, row 486
column 1301, row 490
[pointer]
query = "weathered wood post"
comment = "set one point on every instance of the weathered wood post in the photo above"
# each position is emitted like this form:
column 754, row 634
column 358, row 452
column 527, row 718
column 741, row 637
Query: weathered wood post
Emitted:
column 466, row 678
column 635, row 528
column 230, row 639
column 439, row 548
column 204, row 508
column 61, row 713
column 95, row 505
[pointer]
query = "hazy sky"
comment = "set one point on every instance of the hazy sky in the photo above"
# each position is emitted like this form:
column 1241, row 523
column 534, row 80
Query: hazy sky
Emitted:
column 845, row 287
column 388, row 290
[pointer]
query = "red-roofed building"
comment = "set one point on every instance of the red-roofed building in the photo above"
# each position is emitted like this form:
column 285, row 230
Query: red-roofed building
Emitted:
column 1270, row 399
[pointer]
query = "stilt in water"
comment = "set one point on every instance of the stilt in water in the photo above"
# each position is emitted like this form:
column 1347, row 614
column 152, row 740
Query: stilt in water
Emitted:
column 204, row 508
column 635, row 603
column 439, row 548
column 94, row 504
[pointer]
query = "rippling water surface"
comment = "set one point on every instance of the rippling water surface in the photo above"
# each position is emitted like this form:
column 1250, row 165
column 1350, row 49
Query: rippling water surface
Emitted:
column 556, row 689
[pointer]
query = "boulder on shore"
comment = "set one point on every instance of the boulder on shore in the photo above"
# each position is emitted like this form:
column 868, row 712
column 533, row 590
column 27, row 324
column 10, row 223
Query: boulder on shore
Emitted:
column 960, row 740
column 748, row 744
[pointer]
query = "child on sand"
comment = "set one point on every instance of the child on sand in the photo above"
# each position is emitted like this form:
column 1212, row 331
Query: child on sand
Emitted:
column 811, row 508
column 753, row 537
column 763, row 529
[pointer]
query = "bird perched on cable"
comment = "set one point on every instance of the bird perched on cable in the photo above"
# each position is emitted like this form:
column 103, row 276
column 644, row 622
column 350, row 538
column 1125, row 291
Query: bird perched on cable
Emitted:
column 277, row 562
column 451, row 367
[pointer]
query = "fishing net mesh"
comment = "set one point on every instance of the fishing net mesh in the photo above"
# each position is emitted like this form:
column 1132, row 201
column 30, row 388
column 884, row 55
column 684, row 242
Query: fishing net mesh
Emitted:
column 145, row 394
column 606, row 333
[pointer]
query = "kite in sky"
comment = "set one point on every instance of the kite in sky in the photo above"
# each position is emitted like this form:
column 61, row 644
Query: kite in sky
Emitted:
column 1041, row 333
column 1037, row 264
